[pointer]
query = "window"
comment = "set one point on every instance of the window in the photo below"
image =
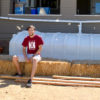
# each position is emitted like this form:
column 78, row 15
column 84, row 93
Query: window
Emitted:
column 36, row 6
column 83, row 6
column 88, row 7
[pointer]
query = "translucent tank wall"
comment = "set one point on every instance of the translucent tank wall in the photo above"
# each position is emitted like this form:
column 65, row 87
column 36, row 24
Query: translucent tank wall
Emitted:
column 62, row 46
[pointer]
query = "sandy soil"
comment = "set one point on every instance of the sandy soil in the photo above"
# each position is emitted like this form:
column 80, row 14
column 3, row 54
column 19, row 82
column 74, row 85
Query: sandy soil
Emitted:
column 10, row 90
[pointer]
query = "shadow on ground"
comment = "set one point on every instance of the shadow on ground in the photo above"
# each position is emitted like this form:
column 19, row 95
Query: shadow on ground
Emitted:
column 7, row 82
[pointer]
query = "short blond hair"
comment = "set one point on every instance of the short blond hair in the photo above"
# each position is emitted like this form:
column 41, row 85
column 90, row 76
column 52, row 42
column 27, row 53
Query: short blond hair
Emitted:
column 31, row 26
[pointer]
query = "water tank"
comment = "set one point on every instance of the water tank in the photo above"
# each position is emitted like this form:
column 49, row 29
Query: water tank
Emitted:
column 62, row 46
column 19, row 8
column 33, row 11
column 43, row 10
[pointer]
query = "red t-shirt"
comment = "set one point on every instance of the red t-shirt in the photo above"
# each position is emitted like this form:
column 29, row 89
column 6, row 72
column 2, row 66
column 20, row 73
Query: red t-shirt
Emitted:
column 32, row 44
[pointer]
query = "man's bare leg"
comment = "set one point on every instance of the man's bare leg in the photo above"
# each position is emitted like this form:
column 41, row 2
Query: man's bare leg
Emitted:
column 34, row 67
column 16, row 63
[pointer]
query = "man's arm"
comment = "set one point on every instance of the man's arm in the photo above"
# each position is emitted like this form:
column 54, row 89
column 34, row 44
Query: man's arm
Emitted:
column 24, row 53
column 39, row 50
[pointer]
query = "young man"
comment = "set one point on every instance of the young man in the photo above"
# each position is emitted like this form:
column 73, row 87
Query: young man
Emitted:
column 33, row 43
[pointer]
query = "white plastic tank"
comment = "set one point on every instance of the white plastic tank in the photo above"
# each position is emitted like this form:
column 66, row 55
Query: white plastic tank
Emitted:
column 62, row 46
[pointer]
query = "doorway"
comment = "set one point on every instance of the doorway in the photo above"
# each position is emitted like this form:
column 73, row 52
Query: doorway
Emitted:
column 83, row 6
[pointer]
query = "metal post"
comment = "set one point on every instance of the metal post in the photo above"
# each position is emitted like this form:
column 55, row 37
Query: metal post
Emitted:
column 80, row 28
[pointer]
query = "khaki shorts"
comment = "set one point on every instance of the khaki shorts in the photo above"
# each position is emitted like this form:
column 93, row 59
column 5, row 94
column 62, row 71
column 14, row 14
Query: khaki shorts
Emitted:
column 21, row 58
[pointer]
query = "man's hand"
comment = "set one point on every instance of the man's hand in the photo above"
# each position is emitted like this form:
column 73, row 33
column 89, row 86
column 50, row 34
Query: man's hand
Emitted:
column 24, row 53
column 31, row 59
column 27, row 60
column 39, row 50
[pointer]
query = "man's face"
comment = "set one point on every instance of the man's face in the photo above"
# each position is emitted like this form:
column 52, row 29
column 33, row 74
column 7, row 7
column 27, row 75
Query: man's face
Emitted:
column 31, row 31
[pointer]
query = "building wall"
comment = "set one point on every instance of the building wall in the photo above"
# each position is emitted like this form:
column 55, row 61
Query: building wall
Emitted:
column 5, row 6
column 67, row 11
column 11, row 27
column 0, row 8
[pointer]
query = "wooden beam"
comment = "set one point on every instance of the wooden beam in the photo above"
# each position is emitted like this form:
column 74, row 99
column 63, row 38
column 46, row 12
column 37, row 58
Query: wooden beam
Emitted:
column 12, row 77
column 52, row 80
column 66, row 81
column 75, row 78
column 58, row 83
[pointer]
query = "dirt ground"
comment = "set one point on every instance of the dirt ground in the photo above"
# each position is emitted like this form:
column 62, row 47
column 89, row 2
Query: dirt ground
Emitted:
column 10, row 90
